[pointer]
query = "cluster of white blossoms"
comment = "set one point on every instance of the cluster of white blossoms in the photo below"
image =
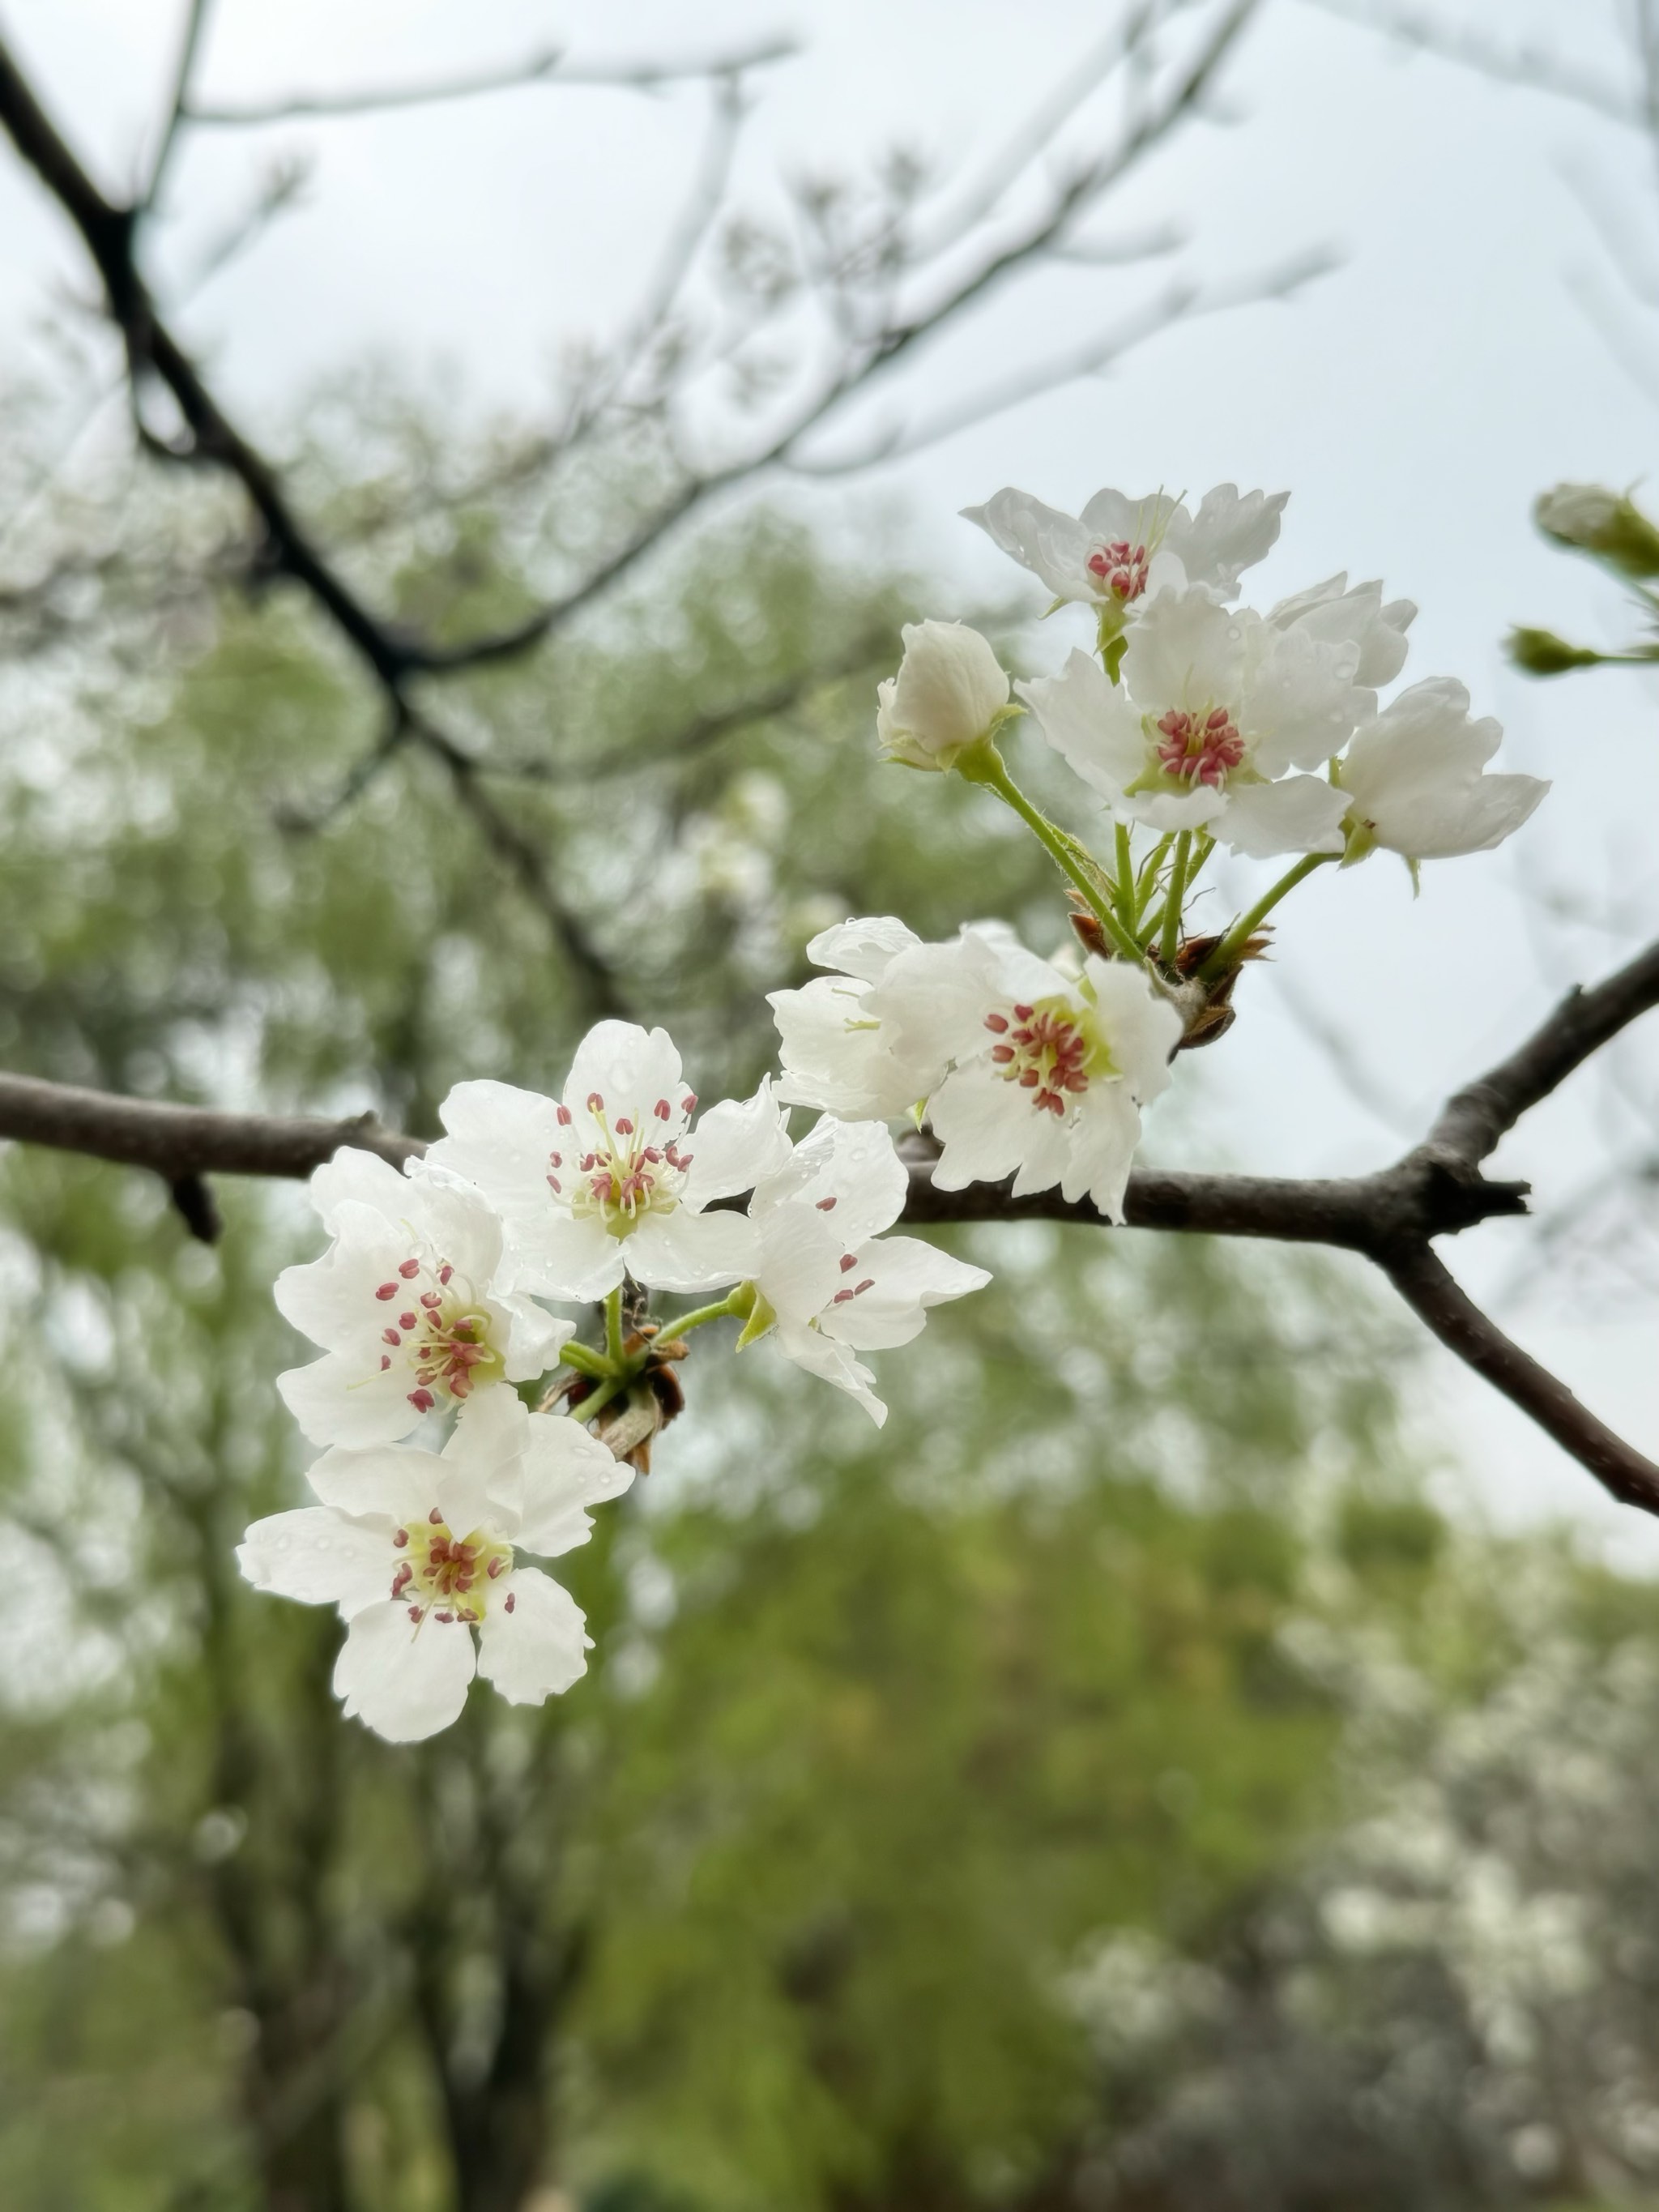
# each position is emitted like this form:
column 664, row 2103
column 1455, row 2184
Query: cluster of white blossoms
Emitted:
column 1019, row 1067
column 1195, row 724
column 428, row 1306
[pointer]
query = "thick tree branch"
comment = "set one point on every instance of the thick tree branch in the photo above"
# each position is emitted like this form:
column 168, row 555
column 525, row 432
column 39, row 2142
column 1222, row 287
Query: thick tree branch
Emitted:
column 1472, row 1125
column 1390, row 1216
column 178, row 1142
column 1427, row 1287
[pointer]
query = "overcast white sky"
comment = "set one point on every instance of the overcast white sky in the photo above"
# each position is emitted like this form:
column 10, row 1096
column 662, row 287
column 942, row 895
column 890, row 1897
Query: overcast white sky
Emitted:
column 1414, row 402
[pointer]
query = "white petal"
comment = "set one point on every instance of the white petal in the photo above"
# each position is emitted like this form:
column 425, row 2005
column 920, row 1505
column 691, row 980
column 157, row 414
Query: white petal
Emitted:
column 332, row 1300
column 1142, row 1029
column 320, row 1558
column 358, row 1178
column 1090, row 723
column 569, row 1256
column 1185, row 652
column 1052, row 545
column 1334, row 611
column 567, row 1469
column 404, row 1683
column 986, row 1126
column 1299, row 704
column 734, row 1145
column 836, row 1055
column 1298, row 814
column 1103, row 1140
column 1229, row 534
column 800, row 1267
column 630, row 1068
column 535, row 1337
column 398, row 1482
column 1167, row 810
column 1414, row 775
column 861, row 948
column 455, row 1221
column 1115, row 519
column 339, row 1400
column 833, row 1363
column 906, row 1277
column 687, row 1251
column 481, row 1473
column 849, row 1171
column 500, row 1138
column 933, row 1001
column 539, row 1648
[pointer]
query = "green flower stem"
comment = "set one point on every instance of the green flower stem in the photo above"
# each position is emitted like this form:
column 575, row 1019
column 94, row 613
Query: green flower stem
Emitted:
column 683, row 1324
column 1127, row 901
column 613, row 1331
column 585, row 1361
column 1147, row 883
column 1247, row 925
column 984, row 764
column 598, row 1398
column 1170, row 936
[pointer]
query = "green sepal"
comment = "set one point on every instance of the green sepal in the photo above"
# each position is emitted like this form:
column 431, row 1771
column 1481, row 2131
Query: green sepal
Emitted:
column 757, row 1313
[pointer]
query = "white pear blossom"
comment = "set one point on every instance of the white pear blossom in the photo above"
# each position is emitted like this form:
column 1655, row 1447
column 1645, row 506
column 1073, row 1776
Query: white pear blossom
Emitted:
column 950, row 690
column 1048, row 1084
column 406, row 1303
column 1122, row 551
column 1413, row 780
column 830, row 1284
column 1212, row 707
column 841, row 1048
column 599, row 1181
column 419, row 1551
column 1339, row 612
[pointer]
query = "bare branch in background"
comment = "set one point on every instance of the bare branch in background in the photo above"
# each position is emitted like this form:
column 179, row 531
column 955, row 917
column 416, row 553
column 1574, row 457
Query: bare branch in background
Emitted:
column 869, row 353
column 547, row 67
column 1180, row 304
column 1391, row 1217
column 550, row 65
column 645, row 382
column 1535, row 68
column 189, row 48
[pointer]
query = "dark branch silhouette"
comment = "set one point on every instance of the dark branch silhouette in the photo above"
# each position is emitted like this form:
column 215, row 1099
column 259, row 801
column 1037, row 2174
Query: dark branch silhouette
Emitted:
column 1391, row 1217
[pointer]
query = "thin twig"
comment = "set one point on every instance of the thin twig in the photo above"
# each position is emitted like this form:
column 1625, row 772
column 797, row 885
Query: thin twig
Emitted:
column 550, row 65
column 177, row 106
column 1535, row 68
column 699, row 732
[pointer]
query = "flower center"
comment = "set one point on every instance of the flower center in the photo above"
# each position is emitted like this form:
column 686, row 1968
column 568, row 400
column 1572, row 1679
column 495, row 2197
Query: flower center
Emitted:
column 437, row 1328
column 446, row 1575
column 1120, row 569
column 1048, row 1050
column 1198, row 748
column 632, row 1167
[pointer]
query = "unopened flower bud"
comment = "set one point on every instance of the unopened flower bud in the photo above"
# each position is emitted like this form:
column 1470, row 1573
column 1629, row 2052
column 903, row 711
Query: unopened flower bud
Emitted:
column 951, row 691
column 1608, row 525
column 1541, row 652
